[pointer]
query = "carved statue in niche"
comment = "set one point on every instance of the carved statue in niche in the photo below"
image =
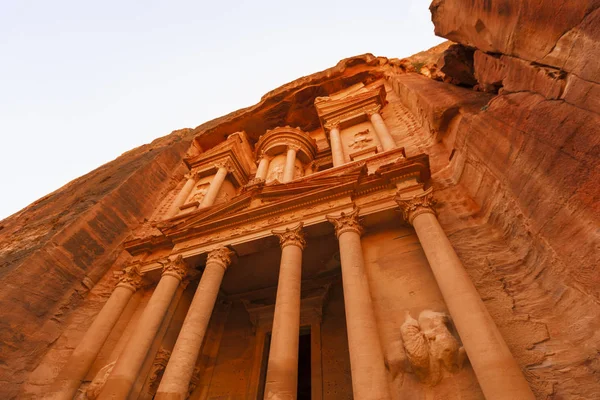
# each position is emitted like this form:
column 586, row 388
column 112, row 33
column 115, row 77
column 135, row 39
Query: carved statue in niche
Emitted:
column 95, row 387
column 201, row 191
column 430, row 347
column 276, row 174
column 361, row 140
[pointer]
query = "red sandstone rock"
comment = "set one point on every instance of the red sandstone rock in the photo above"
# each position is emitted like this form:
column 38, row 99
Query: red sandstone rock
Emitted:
column 515, row 171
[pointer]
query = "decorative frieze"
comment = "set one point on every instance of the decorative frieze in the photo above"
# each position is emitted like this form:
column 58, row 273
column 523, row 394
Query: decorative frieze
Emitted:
column 291, row 236
column 221, row 256
column 412, row 206
column 176, row 268
column 346, row 222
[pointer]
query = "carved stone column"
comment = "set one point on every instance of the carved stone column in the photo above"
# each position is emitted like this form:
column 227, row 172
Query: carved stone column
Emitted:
column 498, row 373
column 176, row 379
column 263, row 167
column 337, row 150
column 282, row 370
column 369, row 378
column 130, row 361
column 215, row 185
column 182, row 195
column 86, row 352
column 290, row 164
column 381, row 130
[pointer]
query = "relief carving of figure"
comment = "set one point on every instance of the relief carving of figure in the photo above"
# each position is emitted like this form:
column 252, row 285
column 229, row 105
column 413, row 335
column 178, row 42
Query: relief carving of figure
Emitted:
column 361, row 140
column 276, row 174
column 430, row 347
column 200, row 193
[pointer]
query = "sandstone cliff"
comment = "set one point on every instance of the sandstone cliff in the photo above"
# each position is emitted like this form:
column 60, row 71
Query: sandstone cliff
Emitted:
column 509, row 117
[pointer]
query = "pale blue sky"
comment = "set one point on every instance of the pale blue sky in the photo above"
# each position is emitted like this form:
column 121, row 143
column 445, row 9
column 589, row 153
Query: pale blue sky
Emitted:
column 81, row 82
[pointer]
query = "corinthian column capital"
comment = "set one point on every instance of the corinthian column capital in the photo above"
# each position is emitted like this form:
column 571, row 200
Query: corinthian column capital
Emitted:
column 221, row 256
column 412, row 206
column 291, row 236
column 176, row 268
column 346, row 222
column 132, row 279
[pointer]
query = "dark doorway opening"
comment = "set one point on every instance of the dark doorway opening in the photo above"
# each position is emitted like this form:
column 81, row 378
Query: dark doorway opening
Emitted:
column 304, row 373
column 304, row 360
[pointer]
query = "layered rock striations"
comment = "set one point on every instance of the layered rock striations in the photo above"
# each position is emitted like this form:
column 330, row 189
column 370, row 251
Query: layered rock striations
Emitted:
column 509, row 117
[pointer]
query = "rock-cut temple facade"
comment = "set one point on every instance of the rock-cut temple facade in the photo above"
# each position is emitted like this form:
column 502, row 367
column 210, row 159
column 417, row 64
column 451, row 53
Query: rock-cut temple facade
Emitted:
column 382, row 230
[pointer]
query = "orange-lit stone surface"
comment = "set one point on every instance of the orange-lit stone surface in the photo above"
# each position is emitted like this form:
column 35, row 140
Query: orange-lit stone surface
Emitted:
column 505, row 131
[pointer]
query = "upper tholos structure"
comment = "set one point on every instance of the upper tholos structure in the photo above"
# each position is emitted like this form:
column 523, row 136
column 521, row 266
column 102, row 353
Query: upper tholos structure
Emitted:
column 384, row 229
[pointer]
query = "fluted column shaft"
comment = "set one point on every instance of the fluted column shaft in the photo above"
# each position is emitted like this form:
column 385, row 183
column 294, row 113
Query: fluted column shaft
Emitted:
column 87, row 350
column 382, row 132
column 181, row 196
column 282, row 370
column 263, row 167
column 215, row 186
column 369, row 378
column 130, row 361
column 499, row 375
column 290, row 165
column 178, row 374
column 337, row 151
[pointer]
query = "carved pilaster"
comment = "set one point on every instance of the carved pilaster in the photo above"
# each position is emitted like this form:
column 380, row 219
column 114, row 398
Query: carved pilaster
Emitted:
column 291, row 236
column 132, row 279
column 176, row 268
column 221, row 256
column 412, row 206
column 346, row 222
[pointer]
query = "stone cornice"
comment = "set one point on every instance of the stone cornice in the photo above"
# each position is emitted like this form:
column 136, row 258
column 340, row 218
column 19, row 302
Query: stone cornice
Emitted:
column 234, row 153
column 415, row 205
column 291, row 236
column 339, row 112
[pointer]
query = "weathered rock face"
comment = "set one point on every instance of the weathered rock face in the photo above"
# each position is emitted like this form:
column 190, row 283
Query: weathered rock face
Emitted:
column 515, row 166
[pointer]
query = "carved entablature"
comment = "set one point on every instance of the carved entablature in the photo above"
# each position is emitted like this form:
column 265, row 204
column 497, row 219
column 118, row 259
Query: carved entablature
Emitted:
column 413, row 205
column 278, row 140
column 349, row 107
column 235, row 153
column 254, row 213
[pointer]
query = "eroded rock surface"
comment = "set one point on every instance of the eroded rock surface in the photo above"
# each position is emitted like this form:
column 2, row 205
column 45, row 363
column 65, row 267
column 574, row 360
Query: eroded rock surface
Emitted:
column 514, row 162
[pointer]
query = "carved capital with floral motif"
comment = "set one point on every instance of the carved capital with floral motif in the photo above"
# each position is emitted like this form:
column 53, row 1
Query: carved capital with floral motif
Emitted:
column 132, row 279
column 225, row 164
column 291, row 236
column 346, row 222
column 413, row 206
column 372, row 110
column 176, row 268
column 220, row 256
